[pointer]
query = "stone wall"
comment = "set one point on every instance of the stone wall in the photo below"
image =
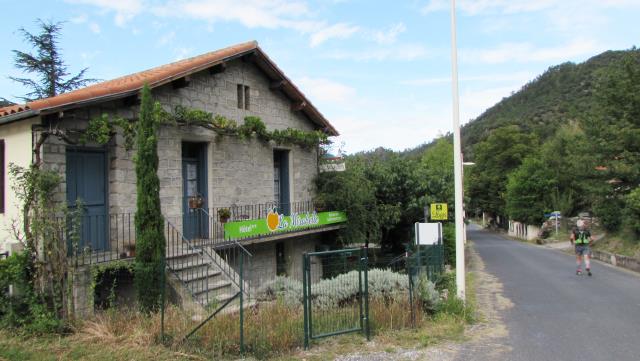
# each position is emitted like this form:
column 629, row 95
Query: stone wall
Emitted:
column 263, row 263
column 240, row 171
column 618, row 260
column 523, row 231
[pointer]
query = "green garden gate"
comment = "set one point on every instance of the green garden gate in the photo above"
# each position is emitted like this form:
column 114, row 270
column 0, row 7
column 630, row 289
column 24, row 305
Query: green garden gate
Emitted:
column 335, row 293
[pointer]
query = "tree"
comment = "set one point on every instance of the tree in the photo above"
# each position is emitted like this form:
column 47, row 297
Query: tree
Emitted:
column 528, row 191
column 501, row 153
column 150, row 244
column 47, row 64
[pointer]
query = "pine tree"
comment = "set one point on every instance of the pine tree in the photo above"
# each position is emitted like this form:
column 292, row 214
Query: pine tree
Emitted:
column 150, row 244
column 46, row 64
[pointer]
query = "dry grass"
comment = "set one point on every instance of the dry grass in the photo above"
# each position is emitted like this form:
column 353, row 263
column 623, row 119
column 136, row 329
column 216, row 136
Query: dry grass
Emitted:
column 272, row 330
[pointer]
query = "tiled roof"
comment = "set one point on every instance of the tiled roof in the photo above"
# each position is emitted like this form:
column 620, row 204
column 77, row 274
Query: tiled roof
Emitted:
column 132, row 83
column 13, row 109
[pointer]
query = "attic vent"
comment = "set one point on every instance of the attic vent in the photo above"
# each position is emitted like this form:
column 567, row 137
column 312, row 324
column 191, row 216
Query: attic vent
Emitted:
column 243, row 96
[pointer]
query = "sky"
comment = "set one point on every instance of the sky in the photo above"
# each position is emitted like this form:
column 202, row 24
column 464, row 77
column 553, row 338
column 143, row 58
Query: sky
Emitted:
column 380, row 71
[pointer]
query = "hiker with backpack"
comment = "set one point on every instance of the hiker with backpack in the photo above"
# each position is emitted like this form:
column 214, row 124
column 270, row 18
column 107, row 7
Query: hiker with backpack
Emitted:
column 581, row 237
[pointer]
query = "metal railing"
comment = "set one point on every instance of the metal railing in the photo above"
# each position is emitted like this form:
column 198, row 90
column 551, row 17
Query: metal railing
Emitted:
column 101, row 238
column 210, row 274
column 206, row 226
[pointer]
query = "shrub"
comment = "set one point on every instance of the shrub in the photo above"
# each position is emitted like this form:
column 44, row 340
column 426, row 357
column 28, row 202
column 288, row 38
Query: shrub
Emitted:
column 427, row 293
column 333, row 292
column 23, row 308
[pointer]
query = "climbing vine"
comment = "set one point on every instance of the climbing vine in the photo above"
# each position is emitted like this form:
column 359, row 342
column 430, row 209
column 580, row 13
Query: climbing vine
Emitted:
column 98, row 273
column 103, row 128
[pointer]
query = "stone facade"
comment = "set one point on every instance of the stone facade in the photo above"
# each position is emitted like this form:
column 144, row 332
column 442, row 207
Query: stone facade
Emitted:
column 240, row 171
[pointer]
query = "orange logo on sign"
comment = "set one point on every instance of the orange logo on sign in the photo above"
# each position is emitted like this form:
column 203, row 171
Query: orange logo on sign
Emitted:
column 273, row 220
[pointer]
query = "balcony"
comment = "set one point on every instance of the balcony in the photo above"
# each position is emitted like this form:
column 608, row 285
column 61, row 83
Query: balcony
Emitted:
column 258, row 222
column 106, row 238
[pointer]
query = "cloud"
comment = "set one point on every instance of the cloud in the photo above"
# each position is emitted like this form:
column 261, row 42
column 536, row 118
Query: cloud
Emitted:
column 166, row 38
column 325, row 90
column 95, row 28
column 527, row 53
column 400, row 52
column 340, row 30
column 390, row 35
column 481, row 7
column 519, row 77
column 250, row 13
column 182, row 53
column 124, row 10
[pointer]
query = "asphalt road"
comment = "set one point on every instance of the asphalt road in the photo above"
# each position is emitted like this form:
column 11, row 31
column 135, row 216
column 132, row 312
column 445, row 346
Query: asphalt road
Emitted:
column 557, row 315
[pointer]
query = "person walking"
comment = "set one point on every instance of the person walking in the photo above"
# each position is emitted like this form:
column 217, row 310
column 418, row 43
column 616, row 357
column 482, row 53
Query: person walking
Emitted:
column 580, row 237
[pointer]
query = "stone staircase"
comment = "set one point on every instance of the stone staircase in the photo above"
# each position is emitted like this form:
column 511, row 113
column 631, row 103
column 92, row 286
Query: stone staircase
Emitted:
column 209, row 279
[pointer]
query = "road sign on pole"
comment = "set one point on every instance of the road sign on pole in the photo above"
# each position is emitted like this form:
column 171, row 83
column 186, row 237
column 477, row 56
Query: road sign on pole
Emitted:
column 439, row 212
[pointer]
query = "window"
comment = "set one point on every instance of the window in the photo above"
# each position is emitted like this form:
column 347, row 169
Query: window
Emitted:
column 243, row 96
column 281, row 180
column 2, row 171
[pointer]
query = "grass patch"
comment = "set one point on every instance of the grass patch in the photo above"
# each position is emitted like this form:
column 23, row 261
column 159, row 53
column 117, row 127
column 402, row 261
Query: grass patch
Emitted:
column 619, row 244
column 273, row 330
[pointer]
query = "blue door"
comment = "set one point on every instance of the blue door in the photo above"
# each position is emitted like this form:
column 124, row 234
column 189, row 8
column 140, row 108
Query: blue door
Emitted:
column 87, row 185
column 194, row 175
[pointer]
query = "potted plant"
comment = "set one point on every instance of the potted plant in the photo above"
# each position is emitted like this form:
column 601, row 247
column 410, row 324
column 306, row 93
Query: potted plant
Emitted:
column 196, row 202
column 224, row 214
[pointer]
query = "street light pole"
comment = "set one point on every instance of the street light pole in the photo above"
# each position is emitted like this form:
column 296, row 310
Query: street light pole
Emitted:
column 457, row 161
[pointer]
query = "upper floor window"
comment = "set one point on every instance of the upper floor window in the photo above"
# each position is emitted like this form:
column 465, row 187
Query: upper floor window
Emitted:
column 243, row 96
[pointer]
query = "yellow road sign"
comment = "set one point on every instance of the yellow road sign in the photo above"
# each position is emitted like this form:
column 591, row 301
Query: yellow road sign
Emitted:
column 439, row 212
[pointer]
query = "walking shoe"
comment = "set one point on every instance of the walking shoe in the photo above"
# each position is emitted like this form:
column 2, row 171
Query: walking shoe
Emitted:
column 578, row 272
column 589, row 272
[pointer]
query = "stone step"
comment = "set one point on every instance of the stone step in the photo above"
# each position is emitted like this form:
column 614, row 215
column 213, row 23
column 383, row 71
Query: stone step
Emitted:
column 186, row 265
column 173, row 254
column 190, row 275
column 210, row 285
column 217, row 298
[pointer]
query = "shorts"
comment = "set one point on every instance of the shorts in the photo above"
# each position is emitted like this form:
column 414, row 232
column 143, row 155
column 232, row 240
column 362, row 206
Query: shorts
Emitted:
column 583, row 250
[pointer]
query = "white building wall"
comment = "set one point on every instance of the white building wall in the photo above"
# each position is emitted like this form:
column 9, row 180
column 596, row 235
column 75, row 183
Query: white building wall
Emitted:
column 18, row 146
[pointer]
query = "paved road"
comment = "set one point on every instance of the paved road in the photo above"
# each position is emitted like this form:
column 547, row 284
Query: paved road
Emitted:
column 557, row 315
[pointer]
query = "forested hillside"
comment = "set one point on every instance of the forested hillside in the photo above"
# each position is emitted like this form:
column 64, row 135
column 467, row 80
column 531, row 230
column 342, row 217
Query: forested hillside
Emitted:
column 567, row 141
column 564, row 93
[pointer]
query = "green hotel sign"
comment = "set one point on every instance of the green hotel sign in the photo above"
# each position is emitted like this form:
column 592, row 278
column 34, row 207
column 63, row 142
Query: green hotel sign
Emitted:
column 276, row 223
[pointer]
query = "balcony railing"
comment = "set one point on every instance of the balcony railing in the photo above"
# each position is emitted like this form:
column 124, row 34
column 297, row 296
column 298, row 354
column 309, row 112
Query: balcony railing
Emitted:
column 105, row 238
column 207, row 226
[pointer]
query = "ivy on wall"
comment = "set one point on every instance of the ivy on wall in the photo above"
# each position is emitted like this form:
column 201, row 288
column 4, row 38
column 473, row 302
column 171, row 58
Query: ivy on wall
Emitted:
column 103, row 128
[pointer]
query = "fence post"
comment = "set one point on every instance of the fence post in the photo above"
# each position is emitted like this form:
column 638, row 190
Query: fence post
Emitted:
column 360, row 288
column 241, row 303
column 162, row 304
column 366, row 293
column 413, row 316
column 305, row 298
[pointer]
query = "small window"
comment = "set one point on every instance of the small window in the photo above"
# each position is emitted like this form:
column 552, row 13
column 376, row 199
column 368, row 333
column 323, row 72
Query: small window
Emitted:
column 2, row 171
column 243, row 96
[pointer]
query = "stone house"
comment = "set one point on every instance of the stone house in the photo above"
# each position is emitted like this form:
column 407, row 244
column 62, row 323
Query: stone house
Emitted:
column 213, row 187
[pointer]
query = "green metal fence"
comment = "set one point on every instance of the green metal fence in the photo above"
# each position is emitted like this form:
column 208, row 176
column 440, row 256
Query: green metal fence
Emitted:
column 338, row 307
column 427, row 262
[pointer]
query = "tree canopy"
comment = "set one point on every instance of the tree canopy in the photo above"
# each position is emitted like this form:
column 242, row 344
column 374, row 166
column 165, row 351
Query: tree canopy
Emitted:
column 51, row 73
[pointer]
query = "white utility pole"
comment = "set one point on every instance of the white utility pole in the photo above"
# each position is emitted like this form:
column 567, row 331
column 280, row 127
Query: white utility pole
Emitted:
column 457, row 161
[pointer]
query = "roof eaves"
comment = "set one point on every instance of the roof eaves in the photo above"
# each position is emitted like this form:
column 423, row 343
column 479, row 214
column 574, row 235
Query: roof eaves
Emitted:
column 18, row 116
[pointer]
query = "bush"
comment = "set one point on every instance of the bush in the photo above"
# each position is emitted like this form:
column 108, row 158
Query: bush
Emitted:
column 449, row 243
column 23, row 308
column 383, row 284
column 609, row 211
column 427, row 293
column 633, row 211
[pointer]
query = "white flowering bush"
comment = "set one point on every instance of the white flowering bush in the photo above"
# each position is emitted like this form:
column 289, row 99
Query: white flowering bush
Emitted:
column 281, row 287
column 427, row 293
column 344, row 288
